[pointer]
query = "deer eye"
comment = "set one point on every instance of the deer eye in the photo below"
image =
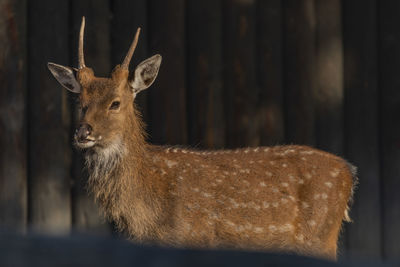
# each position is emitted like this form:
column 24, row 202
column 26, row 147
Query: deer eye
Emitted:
column 115, row 105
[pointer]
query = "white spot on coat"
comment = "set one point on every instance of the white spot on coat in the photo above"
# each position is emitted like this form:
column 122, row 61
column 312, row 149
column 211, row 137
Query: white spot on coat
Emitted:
column 286, row 228
column 299, row 238
column 170, row 163
column 229, row 223
column 258, row 230
column 311, row 223
column 207, row 195
column 334, row 173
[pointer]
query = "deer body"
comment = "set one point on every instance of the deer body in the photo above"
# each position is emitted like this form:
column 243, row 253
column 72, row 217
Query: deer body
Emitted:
column 283, row 198
column 286, row 198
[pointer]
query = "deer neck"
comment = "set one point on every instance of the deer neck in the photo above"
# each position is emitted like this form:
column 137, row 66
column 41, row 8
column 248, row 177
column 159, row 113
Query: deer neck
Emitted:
column 119, row 182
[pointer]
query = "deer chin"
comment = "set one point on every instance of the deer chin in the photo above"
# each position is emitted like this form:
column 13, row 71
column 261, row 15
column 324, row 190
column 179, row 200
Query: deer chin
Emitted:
column 103, row 159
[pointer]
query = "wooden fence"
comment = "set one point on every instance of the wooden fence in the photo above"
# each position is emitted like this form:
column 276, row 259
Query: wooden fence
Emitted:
column 234, row 73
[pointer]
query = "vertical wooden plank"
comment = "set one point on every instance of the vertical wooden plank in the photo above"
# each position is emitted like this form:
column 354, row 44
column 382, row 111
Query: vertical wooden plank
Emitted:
column 86, row 214
column 49, row 149
column 329, row 76
column 389, row 84
column 168, row 94
column 269, row 71
column 240, row 88
column 205, row 90
column 299, row 54
column 328, row 99
column 13, row 167
column 127, row 17
column 361, row 125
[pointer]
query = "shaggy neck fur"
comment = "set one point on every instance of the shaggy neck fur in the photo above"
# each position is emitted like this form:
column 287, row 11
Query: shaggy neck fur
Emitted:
column 118, row 180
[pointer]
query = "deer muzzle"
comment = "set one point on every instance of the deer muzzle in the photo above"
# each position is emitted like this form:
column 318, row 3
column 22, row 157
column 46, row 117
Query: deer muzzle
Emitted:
column 82, row 136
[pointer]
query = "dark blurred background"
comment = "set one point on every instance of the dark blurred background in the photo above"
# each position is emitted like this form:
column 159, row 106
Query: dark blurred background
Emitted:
column 234, row 73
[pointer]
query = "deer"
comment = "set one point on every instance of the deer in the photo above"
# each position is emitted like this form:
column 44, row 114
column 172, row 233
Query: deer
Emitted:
column 288, row 198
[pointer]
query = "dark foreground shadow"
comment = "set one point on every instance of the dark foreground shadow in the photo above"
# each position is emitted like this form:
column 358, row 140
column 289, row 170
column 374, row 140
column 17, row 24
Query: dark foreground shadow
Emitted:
column 81, row 250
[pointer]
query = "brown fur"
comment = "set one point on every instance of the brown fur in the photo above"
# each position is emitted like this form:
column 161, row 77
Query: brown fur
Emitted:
column 284, row 198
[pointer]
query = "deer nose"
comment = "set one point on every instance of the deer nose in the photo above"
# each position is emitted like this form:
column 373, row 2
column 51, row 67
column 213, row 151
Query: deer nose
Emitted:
column 83, row 131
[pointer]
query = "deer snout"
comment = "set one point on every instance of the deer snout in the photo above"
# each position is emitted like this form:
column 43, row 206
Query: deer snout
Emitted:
column 83, row 132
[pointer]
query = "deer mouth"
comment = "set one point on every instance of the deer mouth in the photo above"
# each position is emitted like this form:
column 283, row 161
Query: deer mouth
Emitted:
column 85, row 143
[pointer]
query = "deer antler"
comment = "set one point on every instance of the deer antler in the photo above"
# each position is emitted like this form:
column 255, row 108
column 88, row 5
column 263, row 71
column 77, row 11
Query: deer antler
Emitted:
column 128, row 57
column 81, row 56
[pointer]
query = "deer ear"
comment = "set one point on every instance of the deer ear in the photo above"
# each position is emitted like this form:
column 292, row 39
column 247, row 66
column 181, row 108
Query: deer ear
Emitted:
column 145, row 73
column 65, row 76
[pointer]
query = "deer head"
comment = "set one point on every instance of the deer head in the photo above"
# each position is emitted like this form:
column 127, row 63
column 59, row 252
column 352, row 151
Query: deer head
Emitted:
column 106, row 104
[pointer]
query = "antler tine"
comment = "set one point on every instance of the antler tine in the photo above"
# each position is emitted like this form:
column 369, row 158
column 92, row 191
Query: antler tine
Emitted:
column 128, row 57
column 81, row 55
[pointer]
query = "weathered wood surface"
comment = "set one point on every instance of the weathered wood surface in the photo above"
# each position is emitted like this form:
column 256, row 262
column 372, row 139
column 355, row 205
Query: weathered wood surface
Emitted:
column 49, row 122
column 167, row 104
column 13, row 157
column 269, row 48
column 299, row 64
column 362, row 125
column 389, row 64
column 206, row 127
column 240, row 88
column 88, row 251
column 329, row 76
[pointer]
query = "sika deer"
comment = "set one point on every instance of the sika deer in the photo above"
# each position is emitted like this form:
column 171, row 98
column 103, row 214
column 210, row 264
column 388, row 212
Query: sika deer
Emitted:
column 284, row 198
